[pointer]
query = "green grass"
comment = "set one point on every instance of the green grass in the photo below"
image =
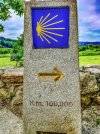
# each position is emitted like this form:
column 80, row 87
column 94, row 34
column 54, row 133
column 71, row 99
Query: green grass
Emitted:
column 89, row 52
column 5, row 60
column 4, row 55
column 5, row 50
column 89, row 55
column 85, row 60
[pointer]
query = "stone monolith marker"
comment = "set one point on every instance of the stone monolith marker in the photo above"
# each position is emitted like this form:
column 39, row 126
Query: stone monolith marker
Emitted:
column 51, row 69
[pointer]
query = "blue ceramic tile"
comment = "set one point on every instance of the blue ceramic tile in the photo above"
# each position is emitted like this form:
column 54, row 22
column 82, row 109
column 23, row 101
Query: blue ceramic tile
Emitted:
column 50, row 27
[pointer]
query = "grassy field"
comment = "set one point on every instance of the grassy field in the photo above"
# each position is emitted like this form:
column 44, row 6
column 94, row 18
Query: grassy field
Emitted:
column 84, row 60
column 89, row 54
column 5, row 60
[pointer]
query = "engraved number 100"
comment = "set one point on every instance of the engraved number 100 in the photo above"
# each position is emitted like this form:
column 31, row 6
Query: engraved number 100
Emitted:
column 59, row 104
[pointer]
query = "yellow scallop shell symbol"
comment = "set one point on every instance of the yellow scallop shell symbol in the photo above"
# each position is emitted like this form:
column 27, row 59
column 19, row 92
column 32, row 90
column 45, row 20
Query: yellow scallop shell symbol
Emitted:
column 44, row 31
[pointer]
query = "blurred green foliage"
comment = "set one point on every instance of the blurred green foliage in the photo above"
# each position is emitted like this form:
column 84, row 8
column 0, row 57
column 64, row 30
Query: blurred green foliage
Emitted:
column 89, row 50
column 5, row 50
column 17, row 51
column 98, row 122
column 1, row 28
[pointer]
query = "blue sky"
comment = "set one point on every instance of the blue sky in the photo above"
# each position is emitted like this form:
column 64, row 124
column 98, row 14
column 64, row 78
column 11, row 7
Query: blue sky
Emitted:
column 88, row 22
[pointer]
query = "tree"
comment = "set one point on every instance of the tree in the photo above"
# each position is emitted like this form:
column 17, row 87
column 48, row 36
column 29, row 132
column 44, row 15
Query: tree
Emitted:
column 90, row 46
column 5, row 9
column 1, row 28
column 17, row 51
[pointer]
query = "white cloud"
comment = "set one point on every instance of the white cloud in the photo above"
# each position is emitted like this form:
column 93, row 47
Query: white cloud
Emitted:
column 89, row 20
column 14, row 26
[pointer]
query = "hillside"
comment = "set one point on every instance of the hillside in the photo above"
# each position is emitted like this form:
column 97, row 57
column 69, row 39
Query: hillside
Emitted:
column 87, row 43
column 5, row 42
column 8, row 43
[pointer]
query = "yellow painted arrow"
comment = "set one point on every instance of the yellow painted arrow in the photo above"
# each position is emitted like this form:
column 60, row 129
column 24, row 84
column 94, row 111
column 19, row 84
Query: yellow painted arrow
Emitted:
column 56, row 74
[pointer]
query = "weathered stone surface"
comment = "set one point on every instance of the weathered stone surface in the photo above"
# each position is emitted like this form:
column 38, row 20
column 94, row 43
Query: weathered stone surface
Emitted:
column 86, row 123
column 88, row 83
column 20, row 87
column 11, row 89
column 13, row 72
column 4, row 102
column 17, row 103
column 89, row 120
column 1, row 71
column 93, row 70
column 97, row 100
column 97, row 130
column 93, row 66
column 3, row 92
column 46, row 118
column 9, row 123
column 85, row 101
column 1, row 84
column 12, row 79
column 90, row 115
column 13, row 75
column 14, row 87
column 86, row 129
column 19, row 93
column 6, row 68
